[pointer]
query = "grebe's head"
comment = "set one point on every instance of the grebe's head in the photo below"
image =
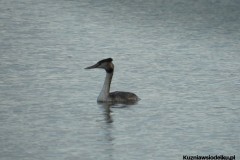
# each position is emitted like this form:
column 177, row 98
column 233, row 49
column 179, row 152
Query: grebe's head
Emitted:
column 104, row 64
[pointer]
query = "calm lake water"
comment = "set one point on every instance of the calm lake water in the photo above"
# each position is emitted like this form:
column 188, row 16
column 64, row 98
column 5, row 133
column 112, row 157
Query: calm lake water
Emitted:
column 182, row 58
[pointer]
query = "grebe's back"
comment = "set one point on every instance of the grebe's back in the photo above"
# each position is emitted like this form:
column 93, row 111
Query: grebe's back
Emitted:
column 119, row 96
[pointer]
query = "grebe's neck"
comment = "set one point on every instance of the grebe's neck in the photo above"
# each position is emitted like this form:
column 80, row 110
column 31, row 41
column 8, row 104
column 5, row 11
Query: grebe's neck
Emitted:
column 103, row 96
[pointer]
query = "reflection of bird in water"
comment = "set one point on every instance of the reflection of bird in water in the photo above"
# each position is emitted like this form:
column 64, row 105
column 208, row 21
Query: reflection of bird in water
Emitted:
column 115, row 97
column 107, row 112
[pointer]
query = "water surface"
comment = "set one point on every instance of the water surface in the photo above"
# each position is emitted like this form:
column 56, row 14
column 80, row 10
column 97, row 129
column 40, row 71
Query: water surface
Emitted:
column 182, row 58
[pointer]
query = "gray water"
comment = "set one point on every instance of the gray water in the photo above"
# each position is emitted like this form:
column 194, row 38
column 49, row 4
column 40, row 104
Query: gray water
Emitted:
column 181, row 57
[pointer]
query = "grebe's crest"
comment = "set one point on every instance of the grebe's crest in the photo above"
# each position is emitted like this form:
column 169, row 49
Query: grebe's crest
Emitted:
column 105, row 60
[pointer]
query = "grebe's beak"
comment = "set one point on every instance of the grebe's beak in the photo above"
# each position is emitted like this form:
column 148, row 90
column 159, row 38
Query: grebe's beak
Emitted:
column 94, row 66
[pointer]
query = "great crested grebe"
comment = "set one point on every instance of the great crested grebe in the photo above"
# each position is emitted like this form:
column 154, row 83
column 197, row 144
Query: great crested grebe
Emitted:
column 116, row 97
